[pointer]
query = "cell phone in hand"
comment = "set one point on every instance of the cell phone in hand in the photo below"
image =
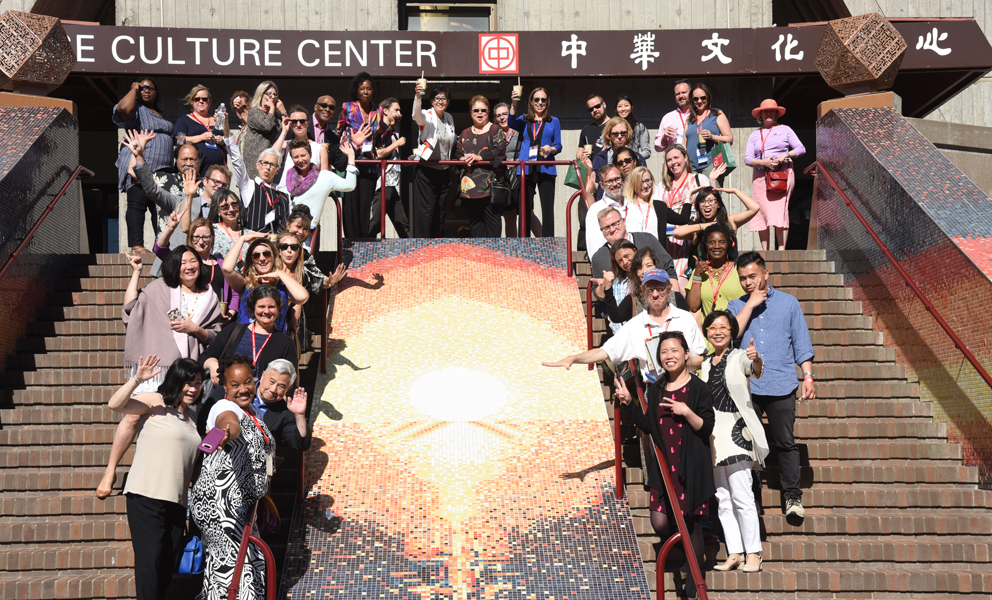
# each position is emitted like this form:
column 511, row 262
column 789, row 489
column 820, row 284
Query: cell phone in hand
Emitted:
column 174, row 315
column 209, row 443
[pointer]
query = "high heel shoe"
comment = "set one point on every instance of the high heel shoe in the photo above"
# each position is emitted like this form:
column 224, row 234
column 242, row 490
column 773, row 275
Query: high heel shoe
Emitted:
column 733, row 561
column 749, row 568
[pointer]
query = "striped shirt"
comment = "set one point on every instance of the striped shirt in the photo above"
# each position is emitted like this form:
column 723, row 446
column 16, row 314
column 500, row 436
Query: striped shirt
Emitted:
column 158, row 151
column 266, row 208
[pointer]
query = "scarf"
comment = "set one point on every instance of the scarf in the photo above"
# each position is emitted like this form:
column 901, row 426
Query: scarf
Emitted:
column 296, row 184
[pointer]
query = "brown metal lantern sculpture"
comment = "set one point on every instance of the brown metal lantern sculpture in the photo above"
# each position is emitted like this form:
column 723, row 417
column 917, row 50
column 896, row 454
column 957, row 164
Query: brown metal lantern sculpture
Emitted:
column 35, row 54
column 860, row 54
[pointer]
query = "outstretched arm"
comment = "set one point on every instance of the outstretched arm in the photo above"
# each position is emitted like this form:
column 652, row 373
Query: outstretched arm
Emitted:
column 589, row 357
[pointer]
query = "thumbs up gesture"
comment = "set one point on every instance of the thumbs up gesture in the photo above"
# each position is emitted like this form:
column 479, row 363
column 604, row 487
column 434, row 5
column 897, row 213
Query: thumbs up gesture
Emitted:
column 752, row 352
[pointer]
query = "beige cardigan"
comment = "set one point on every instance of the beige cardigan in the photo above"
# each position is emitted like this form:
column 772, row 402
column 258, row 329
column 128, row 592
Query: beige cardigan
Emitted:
column 739, row 370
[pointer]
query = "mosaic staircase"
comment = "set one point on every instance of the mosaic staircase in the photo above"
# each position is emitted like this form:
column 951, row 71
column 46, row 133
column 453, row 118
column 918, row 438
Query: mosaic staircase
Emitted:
column 891, row 512
column 57, row 540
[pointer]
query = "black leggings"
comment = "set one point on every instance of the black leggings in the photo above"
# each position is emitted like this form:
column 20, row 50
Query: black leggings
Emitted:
column 134, row 216
column 357, row 206
column 545, row 184
column 156, row 536
column 664, row 525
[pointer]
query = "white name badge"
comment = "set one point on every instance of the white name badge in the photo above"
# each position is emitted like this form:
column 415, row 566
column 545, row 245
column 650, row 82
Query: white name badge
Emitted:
column 533, row 152
column 270, row 217
column 367, row 147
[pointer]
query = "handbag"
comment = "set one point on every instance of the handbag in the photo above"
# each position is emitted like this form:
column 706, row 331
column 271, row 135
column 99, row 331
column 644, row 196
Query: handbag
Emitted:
column 500, row 194
column 572, row 178
column 191, row 561
column 724, row 153
column 777, row 180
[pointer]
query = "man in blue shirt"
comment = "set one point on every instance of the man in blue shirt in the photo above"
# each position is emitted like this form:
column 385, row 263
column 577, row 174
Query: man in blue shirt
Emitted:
column 775, row 323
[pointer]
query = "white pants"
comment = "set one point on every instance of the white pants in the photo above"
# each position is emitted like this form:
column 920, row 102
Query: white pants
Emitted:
column 738, row 513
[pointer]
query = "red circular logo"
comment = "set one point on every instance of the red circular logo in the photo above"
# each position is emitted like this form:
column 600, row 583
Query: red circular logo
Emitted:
column 498, row 54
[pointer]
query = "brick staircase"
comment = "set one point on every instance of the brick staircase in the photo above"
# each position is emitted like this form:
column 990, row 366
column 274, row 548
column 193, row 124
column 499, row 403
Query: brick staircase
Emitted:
column 57, row 540
column 891, row 512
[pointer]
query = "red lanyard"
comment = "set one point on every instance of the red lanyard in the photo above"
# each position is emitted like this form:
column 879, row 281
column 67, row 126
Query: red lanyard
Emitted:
column 668, row 322
column 197, row 119
column 255, row 354
column 699, row 122
column 259, row 426
column 681, row 118
column 647, row 214
column 268, row 196
column 716, row 290
column 677, row 194
column 763, row 138
column 230, row 234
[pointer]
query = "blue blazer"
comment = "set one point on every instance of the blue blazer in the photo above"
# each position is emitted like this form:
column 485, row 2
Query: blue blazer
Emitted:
column 550, row 136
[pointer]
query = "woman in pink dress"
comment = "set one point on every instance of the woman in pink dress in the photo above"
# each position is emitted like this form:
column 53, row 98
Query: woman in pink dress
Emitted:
column 771, row 150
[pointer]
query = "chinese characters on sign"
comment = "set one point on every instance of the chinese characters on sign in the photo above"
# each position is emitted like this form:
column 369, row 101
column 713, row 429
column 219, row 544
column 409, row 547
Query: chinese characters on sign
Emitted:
column 573, row 48
column 715, row 44
column 931, row 43
column 644, row 50
column 790, row 45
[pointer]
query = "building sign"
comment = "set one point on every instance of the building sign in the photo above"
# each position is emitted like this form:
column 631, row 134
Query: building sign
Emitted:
column 772, row 51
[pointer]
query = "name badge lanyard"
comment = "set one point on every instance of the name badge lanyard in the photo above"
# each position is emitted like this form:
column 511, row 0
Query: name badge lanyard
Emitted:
column 536, row 132
column 259, row 426
column 255, row 354
column 716, row 289
column 651, row 336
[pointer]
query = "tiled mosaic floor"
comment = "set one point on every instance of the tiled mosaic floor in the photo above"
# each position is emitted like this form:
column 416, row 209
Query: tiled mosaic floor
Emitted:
column 446, row 462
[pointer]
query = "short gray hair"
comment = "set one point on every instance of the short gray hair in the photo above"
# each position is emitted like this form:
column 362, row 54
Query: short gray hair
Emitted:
column 273, row 152
column 606, row 212
column 281, row 365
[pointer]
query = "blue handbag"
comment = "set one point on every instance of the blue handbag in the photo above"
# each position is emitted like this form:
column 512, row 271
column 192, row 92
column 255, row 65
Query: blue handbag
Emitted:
column 191, row 562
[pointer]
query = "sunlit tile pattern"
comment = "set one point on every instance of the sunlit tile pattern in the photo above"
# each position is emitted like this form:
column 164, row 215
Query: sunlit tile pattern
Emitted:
column 938, row 225
column 447, row 462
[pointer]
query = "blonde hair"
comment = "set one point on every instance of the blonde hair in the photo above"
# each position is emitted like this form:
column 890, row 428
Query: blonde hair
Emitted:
column 613, row 122
column 263, row 87
column 634, row 181
column 298, row 267
column 248, row 270
column 188, row 100
column 666, row 175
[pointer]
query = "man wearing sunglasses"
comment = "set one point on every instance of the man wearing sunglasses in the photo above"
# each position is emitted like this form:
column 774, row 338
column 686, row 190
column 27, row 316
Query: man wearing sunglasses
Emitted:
column 591, row 135
column 321, row 126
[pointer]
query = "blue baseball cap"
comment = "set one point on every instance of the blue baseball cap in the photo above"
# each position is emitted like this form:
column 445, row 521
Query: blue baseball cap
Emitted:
column 655, row 275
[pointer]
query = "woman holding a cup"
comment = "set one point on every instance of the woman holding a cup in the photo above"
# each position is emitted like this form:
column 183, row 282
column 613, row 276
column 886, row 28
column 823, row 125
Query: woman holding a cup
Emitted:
column 431, row 180
column 541, row 140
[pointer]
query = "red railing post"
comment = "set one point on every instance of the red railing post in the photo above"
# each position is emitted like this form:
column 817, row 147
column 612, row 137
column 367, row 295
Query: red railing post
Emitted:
column 524, row 218
column 568, row 231
column 589, row 317
column 618, row 450
column 382, row 200
column 683, row 532
column 270, row 562
column 51, row 207
column 955, row 339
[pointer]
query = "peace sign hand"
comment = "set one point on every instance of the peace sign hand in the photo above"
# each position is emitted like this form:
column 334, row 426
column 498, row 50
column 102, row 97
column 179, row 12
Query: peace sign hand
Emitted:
column 621, row 393
column 678, row 408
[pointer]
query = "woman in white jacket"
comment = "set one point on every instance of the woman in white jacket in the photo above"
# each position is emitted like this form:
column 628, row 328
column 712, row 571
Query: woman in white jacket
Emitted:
column 738, row 439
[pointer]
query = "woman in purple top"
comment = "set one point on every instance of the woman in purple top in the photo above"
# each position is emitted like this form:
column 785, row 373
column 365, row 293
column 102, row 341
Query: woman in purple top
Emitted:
column 771, row 149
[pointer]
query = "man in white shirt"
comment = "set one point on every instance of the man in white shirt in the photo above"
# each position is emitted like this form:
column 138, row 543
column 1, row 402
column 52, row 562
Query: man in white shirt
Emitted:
column 672, row 128
column 612, row 182
column 638, row 338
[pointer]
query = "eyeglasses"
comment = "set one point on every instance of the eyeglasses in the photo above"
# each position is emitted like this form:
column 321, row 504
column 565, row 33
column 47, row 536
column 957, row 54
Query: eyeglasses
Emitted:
column 653, row 290
column 298, row 121
column 201, row 238
column 147, row 87
column 502, row 115
column 262, row 254
column 440, row 99
column 718, row 328
column 201, row 99
column 480, row 110
column 619, row 133
column 266, row 163
column 612, row 226
column 228, row 205
column 596, row 107
column 709, row 200
column 289, row 246
column 614, row 181
column 624, row 162
column 697, row 98
column 540, row 100
column 271, row 94
column 326, row 106
column 217, row 182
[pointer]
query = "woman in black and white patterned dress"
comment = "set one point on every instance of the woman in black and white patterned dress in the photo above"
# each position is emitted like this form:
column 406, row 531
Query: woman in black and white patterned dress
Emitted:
column 233, row 479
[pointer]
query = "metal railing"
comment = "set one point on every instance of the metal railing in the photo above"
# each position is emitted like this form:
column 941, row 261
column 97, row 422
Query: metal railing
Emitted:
column 270, row 562
column 682, row 535
column 818, row 168
column 51, row 206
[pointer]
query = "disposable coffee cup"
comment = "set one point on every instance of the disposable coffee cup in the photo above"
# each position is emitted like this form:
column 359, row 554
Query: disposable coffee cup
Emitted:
column 223, row 308
column 519, row 91
column 422, row 84
column 588, row 149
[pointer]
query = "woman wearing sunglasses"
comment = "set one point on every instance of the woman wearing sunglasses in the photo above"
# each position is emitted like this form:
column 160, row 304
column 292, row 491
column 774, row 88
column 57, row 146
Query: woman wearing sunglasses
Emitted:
column 541, row 140
column 264, row 125
column 198, row 125
column 262, row 265
column 482, row 141
column 706, row 127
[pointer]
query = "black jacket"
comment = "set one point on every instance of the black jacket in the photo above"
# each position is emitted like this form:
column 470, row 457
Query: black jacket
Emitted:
column 601, row 259
column 282, row 424
column 696, row 464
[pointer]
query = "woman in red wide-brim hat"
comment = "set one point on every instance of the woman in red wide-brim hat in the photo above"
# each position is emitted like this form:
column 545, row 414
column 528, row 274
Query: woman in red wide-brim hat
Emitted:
column 770, row 151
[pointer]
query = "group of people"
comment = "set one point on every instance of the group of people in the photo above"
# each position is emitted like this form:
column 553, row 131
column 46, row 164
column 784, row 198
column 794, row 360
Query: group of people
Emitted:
column 295, row 157
column 707, row 384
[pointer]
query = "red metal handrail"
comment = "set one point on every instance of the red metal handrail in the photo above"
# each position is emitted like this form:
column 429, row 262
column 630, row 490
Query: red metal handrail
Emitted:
column 382, row 162
column 682, row 535
column 958, row 342
column 51, row 207
column 589, row 317
column 270, row 562
column 618, row 451
column 568, row 220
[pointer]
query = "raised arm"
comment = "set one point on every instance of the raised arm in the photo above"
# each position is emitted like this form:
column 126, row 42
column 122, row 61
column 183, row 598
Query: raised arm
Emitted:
column 589, row 357
column 241, row 178
column 295, row 289
column 124, row 401
column 280, row 143
column 131, row 293
column 230, row 265
column 751, row 207
column 128, row 104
